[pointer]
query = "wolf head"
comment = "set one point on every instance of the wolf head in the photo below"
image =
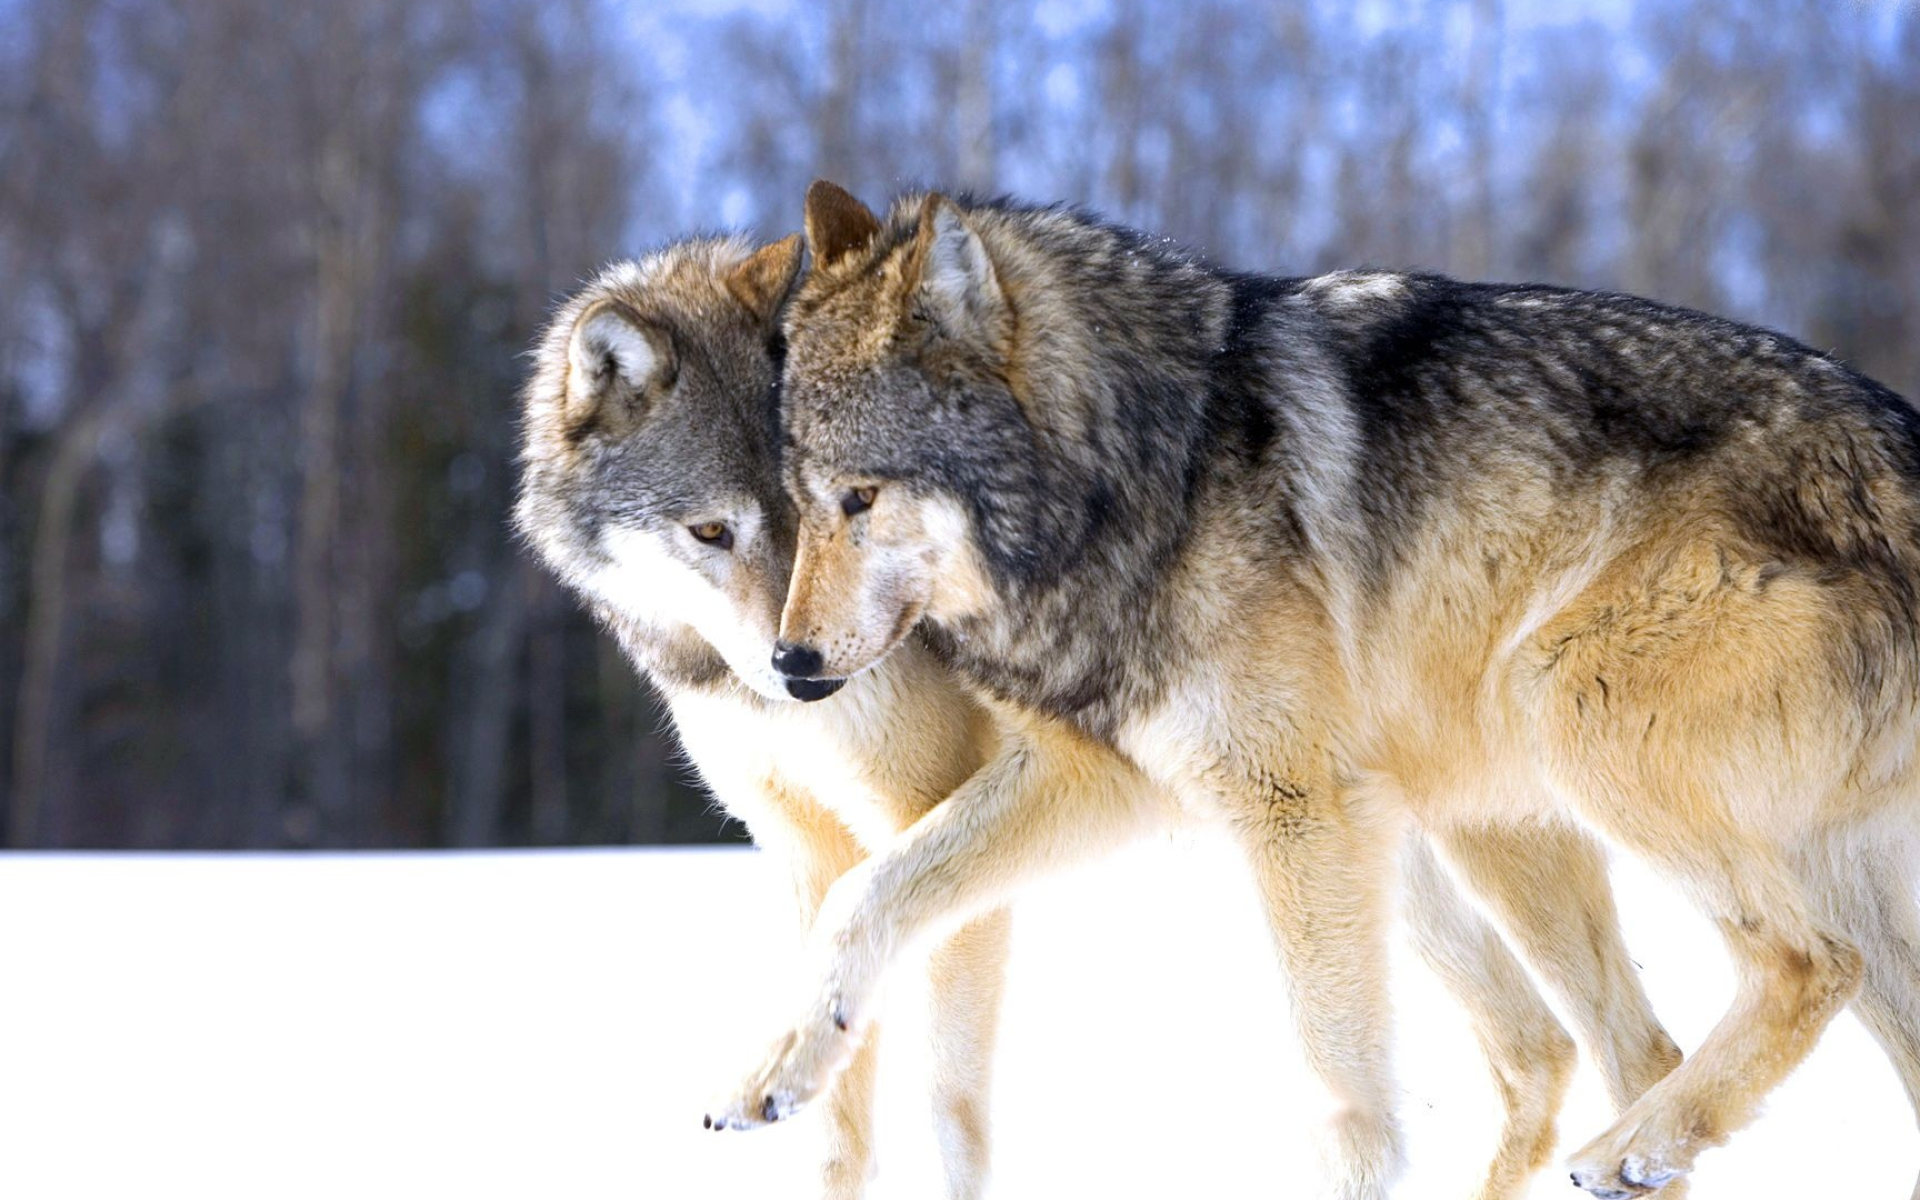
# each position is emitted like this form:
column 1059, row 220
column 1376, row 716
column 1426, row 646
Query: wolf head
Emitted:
column 904, row 431
column 650, row 480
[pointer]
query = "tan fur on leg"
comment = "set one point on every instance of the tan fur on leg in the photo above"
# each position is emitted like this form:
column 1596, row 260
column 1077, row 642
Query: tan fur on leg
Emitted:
column 1322, row 870
column 1530, row 1055
column 1003, row 827
column 819, row 850
column 1547, row 886
column 967, row 978
column 1869, row 891
column 1794, row 975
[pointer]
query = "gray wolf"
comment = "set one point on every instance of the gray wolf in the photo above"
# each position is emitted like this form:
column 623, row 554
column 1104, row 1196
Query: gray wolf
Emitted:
column 1329, row 558
column 651, row 484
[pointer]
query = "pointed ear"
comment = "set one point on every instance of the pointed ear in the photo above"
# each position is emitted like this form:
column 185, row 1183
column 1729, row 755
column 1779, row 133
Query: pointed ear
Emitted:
column 836, row 223
column 955, row 271
column 762, row 282
column 613, row 355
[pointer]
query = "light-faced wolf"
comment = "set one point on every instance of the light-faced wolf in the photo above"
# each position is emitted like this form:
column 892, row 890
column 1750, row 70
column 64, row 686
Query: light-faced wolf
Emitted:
column 1326, row 556
column 651, row 485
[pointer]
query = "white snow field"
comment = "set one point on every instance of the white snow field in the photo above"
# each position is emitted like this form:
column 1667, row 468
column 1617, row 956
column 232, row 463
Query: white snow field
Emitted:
column 553, row 1024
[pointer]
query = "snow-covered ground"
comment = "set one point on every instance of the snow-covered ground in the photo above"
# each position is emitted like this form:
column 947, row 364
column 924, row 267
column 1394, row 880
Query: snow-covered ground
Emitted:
column 551, row 1025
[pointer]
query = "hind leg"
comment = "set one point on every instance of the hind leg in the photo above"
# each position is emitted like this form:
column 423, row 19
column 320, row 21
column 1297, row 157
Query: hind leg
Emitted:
column 968, row 974
column 1795, row 974
column 1687, row 705
column 1547, row 887
column 1869, row 892
column 1531, row 1056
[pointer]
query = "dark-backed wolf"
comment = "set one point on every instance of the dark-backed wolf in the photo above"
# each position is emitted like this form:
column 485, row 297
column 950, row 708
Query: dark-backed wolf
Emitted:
column 1326, row 556
column 651, row 484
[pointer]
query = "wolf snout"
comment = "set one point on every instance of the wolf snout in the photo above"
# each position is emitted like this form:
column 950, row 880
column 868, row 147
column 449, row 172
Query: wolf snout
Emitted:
column 796, row 661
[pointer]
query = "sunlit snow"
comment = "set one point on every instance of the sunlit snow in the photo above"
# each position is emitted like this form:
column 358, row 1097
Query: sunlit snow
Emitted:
column 553, row 1024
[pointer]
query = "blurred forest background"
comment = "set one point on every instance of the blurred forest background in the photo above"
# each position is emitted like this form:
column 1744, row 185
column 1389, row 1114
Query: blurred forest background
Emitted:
column 267, row 269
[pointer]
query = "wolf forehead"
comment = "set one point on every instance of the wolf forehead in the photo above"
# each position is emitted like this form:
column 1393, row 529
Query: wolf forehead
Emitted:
column 680, row 288
column 699, row 444
column 851, row 398
column 864, row 384
column 682, row 293
column 861, row 428
column 883, row 410
column 687, row 277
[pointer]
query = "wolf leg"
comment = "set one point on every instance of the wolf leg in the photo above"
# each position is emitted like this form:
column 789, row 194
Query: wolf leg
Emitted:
column 967, row 977
column 1322, row 869
column 818, row 850
column 1794, row 973
column 1869, row 892
column 1548, row 888
column 1531, row 1056
column 1688, row 706
column 1048, row 799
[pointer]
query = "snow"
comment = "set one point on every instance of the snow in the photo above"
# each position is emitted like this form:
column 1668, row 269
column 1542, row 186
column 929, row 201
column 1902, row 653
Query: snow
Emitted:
column 553, row 1024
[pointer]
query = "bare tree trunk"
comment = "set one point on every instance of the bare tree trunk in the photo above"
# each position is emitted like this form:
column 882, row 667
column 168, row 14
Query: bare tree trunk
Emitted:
column 490, row 688
column 315, row 588
column 626, row 738
column 837, row 128
column 36, row 734
column 1121, row 88
column 547, row 711
column 42, row 700
column 973, row 98
column 1473, row 249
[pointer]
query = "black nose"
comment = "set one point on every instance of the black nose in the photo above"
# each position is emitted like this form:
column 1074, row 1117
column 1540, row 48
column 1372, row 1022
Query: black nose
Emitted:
column 796, row 662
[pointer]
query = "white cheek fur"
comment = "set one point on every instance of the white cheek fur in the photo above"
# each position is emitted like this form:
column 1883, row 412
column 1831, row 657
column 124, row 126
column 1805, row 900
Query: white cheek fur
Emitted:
column 648, row 582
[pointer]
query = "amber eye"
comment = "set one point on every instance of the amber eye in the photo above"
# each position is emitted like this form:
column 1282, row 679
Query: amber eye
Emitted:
column 713, row 533
column 858, row 501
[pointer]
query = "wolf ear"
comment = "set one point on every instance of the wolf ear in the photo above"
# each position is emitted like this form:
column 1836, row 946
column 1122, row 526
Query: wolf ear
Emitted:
column 955, row 271
column 837, row 224
column 613, row 354
column 762, row 282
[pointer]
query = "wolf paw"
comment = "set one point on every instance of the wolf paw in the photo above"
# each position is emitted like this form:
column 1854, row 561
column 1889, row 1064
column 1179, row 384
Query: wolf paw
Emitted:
column 1649, row 1149
column 801, row 1066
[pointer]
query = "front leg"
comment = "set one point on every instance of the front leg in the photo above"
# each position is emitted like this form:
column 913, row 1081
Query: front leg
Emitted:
column 1050, row 798
column 1323, row 863
column 817, row 849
